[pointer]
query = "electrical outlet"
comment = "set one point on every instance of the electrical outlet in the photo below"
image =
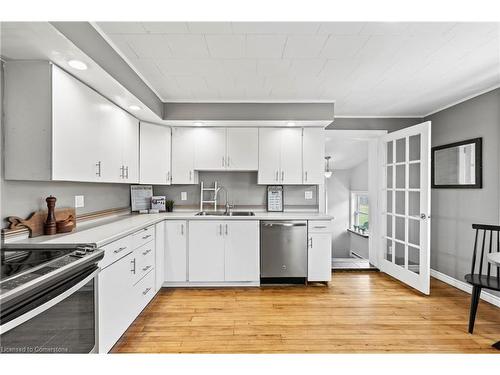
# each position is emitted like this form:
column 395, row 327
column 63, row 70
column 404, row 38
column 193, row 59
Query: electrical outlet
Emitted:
column 184, row 196
column 308, row 194
column 79, row 201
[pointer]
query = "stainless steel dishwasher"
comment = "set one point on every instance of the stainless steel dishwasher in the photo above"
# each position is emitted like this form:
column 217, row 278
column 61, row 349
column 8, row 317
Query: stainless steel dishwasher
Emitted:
column 283, row 249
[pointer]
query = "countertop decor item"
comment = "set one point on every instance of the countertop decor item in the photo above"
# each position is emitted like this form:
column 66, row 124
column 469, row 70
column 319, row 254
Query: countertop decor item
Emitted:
column 140, row 197
column 275, row 198
column 158, row 203
column 66, row 226
column 169, row 204
column 35, row 222
column 50, row 226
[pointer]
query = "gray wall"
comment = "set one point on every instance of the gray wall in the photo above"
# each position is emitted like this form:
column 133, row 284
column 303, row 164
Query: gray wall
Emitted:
column 373, row 123
column 338, row 206
column 359, row 181
column 242, row 191
column 20, row 198
column 455, row 210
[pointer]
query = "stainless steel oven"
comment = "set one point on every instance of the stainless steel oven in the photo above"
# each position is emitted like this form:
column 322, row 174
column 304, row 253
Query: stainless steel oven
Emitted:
column 50, row 308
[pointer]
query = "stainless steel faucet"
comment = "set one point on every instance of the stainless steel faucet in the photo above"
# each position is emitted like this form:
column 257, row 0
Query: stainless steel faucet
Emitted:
column 227, row 205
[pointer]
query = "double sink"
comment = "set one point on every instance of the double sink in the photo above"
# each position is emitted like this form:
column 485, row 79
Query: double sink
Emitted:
column 222, row 213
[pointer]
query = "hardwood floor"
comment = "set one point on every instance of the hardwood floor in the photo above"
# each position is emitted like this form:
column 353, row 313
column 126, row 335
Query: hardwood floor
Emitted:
column 359, row 312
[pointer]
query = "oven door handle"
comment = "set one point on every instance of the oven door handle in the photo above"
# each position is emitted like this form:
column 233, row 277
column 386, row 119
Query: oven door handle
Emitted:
column 47, row 305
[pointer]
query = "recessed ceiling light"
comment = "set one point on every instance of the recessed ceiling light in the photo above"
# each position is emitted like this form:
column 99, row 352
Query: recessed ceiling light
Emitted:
column 134, row 107
column 77, row 64
column 291, row 124
column 198, row 124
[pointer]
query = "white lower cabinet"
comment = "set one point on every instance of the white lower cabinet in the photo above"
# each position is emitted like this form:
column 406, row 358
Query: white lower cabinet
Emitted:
column 319, row 251
column 224, row 251
column 175, row 263
column 160, row 242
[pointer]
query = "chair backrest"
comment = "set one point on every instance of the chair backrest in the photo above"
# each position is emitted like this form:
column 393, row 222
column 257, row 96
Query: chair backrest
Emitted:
column 490, row 243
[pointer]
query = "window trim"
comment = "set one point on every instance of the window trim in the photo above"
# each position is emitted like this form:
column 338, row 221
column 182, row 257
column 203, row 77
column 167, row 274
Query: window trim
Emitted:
column 354, row 194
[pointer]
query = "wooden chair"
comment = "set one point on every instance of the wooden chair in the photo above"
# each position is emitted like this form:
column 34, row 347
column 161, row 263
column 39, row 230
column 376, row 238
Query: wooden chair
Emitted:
column 479, row 280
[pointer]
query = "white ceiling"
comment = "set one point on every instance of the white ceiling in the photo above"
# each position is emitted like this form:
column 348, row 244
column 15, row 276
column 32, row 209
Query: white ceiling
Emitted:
column 368, row 69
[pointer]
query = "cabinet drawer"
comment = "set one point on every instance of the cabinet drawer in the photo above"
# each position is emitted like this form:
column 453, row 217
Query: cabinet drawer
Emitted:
column 116, row 250
column 144, row 260
column 319, row 226
column 143, row 292
column 143, row 236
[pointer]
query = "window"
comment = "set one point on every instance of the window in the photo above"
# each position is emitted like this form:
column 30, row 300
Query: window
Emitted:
column 360, row 211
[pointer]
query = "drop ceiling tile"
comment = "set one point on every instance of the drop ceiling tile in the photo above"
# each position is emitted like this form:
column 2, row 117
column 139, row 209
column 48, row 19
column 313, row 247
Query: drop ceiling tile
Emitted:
column 166, row 27
column 120, row 42
column 288, row 28
column 121, row 27
column 340, row 28
column 338, row 70
column 237, row 67
column 380, row 47
column 149, row 46
column 304, row 46
column 269, row 67
column 385, row 28
column 187, row 46
column 226, row 46
column 264, row 46
column 188, row 66
column 433, row 28
column 308, row 67
column 343, row 46
column 210, row 27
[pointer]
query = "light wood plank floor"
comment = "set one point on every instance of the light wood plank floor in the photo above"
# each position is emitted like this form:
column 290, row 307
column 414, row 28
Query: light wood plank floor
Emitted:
column 359, row 312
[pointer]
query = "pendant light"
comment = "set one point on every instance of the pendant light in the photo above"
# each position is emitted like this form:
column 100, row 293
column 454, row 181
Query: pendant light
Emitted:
column 328, row 169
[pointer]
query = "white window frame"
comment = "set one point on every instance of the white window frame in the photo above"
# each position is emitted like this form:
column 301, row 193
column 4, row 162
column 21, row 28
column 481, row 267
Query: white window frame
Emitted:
column 353, row 208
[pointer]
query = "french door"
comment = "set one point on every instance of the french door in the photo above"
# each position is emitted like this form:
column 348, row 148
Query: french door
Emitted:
column 404, row 205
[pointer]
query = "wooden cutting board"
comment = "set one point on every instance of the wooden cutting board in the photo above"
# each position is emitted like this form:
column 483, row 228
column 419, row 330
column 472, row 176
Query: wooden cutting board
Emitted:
column 35, row 221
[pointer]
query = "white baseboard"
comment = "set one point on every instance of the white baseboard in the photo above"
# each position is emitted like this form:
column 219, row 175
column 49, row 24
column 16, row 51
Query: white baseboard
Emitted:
column 462, row 285
column 191, row 284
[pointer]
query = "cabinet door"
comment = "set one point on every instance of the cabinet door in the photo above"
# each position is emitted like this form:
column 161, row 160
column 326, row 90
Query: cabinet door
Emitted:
column 183, row 144
column 313, row 155
column 269, row 155
column 241, row 250
column 154, row 154
column 116, row 307
column 242, row 149
column 130, row 148
column 206, row 251
column 291, row 156
column 210, row 152
column 319, row 259
column 160, row 242
column 76, row 112
column 175, row 263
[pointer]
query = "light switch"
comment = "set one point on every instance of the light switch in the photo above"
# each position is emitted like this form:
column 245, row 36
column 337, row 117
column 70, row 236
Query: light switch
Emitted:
column 308, row 194
column 79, row 201
column 184, row 195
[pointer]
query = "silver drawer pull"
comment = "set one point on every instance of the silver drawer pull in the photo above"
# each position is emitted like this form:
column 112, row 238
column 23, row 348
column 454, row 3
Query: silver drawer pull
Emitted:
column 133, row 263
column 146, row 291
column 146, row 237
column 320, row 227
column 120, row 249
column 146, row 252
column 146, row 268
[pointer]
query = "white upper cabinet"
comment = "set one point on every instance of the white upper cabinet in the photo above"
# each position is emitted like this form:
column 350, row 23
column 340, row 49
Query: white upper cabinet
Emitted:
column 242, row 151
column 155, row 150
column 79, row 134
column 183, row 151
column 291, row 156
column 280, row 156
column 210, row 153
column 269, row 155
column 313, row 154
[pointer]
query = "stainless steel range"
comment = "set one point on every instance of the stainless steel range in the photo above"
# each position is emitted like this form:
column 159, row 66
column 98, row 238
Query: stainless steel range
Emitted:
column 48, row 299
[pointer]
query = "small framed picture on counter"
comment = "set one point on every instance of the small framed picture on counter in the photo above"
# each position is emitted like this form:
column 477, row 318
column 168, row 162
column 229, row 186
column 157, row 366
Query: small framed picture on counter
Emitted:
column 275, row 198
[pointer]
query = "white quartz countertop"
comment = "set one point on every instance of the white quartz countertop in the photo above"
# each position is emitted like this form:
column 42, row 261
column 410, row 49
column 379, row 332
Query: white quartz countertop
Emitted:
column 109, row 230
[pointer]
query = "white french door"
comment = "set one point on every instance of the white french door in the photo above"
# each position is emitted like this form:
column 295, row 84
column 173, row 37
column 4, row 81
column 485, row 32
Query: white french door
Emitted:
column 404, row 205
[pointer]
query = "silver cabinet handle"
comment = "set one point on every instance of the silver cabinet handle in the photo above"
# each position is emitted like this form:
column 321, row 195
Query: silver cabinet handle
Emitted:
column 119, row 250
column 277, row 175
column 311, row 242
column 126, row 168
column 168, row 176
column 282, row 175
column 226, row 230
column 320, row 227
column 98, row 165
column 146, row 252
column 306, row 175
column 146, row 291
column 146, row 268
column 190, row 174
column 146, row 237
column 133, row 263
column 228, row 161
column 223, row 164
column 182, row 229
column 220, row 229
column 122, row 171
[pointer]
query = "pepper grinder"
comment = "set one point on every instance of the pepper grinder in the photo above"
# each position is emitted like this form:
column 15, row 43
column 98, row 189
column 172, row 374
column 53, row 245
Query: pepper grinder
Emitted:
column 49, row 227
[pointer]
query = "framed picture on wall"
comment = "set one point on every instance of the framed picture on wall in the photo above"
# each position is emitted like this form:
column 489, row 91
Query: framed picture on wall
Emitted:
column 457, row 165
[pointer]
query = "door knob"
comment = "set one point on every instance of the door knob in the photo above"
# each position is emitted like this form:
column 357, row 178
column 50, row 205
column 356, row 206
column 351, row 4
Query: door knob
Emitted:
column 424, row 216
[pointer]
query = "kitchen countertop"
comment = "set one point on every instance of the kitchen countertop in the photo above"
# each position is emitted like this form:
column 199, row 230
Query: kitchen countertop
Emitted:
column 109, row 230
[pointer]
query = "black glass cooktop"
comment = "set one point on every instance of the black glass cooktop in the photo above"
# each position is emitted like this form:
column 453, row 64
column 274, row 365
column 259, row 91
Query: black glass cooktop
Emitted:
column 14, row 262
